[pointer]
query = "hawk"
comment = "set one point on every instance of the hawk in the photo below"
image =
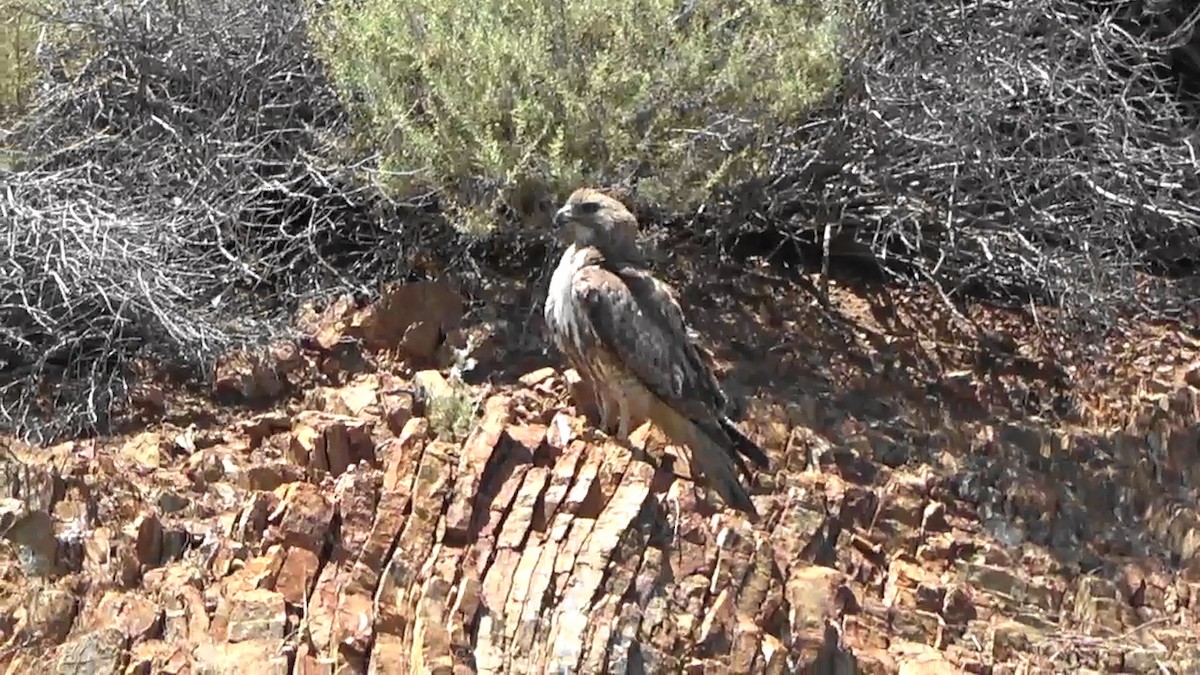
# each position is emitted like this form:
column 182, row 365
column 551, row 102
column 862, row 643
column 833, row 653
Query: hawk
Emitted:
column 624, row 332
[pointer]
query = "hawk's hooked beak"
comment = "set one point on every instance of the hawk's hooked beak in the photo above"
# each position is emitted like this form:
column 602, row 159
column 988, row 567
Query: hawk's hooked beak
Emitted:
column 562, row 216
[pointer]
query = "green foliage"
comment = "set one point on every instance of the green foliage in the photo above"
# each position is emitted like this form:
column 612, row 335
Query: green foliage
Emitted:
column 23, row 25
column 514, row 101
column 452, row 412
column 18, row 38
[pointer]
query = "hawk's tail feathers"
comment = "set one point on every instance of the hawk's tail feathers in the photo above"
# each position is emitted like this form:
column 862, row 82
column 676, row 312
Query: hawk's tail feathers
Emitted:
column 716, row 466
column 734, row 494
column 720, row 474
column 743, row 445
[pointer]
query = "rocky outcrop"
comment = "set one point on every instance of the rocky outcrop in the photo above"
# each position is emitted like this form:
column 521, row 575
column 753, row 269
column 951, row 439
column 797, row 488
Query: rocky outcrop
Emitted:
column 359, row 532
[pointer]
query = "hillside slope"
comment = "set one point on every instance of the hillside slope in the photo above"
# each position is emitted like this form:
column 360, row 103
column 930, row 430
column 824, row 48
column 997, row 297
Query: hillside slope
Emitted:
column 938, row 504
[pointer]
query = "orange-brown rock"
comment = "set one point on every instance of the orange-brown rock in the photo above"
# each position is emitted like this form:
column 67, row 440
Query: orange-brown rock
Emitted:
column 344, row 531
column 249, row 657
column 104, row 651
column 326, row 443
column 32, row 531
column 256, row 614
column 45, row 617
column 159, row 656
column 412, row 319
column 247, row 376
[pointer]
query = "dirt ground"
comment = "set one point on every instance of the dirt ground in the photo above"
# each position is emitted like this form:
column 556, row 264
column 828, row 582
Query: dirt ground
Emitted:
column 952, row 490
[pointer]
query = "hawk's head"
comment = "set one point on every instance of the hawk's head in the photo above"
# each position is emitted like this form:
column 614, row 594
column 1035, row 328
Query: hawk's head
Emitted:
column 592, row 218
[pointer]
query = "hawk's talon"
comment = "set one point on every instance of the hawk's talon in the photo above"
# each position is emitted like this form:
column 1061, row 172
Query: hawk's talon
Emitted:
column 643, row 455
column 593, row 435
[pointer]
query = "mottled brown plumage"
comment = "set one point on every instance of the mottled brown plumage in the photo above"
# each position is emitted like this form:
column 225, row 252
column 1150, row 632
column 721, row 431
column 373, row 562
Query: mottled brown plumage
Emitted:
column 625, row 334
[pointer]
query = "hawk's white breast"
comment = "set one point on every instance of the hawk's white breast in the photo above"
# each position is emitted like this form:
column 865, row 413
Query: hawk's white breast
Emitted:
column 561, row 311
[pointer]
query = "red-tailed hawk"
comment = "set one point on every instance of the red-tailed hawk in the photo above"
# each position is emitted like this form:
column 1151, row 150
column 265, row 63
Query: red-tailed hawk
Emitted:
column 624, row 332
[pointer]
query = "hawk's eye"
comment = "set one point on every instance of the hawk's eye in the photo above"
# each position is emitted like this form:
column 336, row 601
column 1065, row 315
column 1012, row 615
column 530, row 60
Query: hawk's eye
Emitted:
column 587, row 208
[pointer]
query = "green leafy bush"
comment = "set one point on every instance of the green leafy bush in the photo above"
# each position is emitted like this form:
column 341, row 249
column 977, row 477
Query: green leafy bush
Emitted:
column 18, row 38
column 511, row 102
column 452, row 413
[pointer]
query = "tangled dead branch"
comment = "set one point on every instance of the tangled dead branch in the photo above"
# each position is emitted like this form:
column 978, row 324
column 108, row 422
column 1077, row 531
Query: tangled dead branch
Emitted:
column 180, row 187
column 176, row 191
column 87, row 286
column 1020, row 151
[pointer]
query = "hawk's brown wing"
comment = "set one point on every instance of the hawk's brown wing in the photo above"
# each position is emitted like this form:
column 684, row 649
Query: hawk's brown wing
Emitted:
column 633, row 317
column 703, row 360
column 638, row 319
